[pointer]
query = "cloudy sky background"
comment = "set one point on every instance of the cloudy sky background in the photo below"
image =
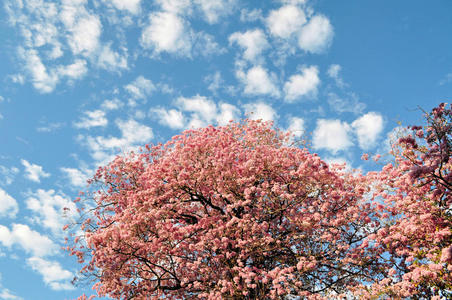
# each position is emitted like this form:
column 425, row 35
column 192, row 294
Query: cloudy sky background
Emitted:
column 84, row 80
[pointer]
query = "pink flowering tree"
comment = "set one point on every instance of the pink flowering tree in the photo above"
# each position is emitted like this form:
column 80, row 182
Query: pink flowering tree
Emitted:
column 233, row 213
column 415, row 193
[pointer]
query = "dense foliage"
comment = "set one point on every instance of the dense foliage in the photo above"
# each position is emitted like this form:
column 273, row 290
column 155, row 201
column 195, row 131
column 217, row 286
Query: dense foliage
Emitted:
column 232, row 212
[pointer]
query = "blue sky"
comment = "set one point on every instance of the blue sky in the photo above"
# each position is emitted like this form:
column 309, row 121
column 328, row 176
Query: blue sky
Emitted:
column 84, row 80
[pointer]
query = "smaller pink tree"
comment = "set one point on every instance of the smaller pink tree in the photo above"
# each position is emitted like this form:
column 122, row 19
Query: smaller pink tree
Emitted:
column 227, row 213
column 417, row 208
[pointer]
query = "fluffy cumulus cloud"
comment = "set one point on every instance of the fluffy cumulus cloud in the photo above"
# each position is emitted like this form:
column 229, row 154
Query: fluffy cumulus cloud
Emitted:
column 167, row 32
column 112, row 104
column 176, row 6
column 317, row 35
column 8, row 205
column 75, row 70
column 296, row 126
column 8, row 295
column 349, row 102
column 27, row 239
column 202, row 108
column 78, row 178
column 111, row 60
column 172, row 118
column 332, row 135
column 302, row 85
column 49, row 31
column 213, row 10
column 285, row 21
column 132, row 6
column 197, row 111
column 260, row 111
column 52, row 272
column 253, row 42
column 95, row 118
column 227, row 113
column 258, row 81
column 205, row 45
column 84, row 28
column 333, row 72
column 34, row 172
column 7, row 175
column 133, row 134
column 367, row 129
column 43, row 79
column 250, row 15
column 140, row 88
column 51, row 210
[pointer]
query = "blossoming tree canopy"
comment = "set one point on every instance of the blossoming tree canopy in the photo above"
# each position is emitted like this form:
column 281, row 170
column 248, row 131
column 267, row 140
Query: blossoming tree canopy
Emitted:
column 417, row 203
column 227, row 212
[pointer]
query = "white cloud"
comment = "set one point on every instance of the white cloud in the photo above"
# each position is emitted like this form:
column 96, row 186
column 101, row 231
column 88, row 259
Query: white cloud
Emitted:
column 294, row 2
column 172, row 118
column 215, row 81
column 34, row 172
column 333, row 72
column 50, row 209
column 203, row 110
column 258, row 82
column 53, row 274
column 112, row 104
column 111, row 60
column 213, row 10
column 317, row 35
column 43, row 80
column 167, row 32
column 200, row 105
column 348, row 103
column 332, row 135
column 29, row 240
column 339, row 161
column 132, row 6
column 296, row 126
column 49, row 127
column 6, row 294
column 285, row 21
column 8, row 205
column 175, row 6
column 49, row 30
column 252, row 41
column 227, row 113
column 85, row 29
column 18, row 78
column 260, row 110
column 253, row 15
column 133, row 134
column 302, row 85
column 367, row 128
column 140, row 88
column 8, row 175
column 206, row 45
column 95, row 118
column 75, row 71
column 77, row 177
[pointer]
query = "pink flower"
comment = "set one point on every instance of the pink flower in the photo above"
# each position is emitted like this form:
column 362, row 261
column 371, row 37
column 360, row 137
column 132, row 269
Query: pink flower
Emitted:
column 446, row 255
